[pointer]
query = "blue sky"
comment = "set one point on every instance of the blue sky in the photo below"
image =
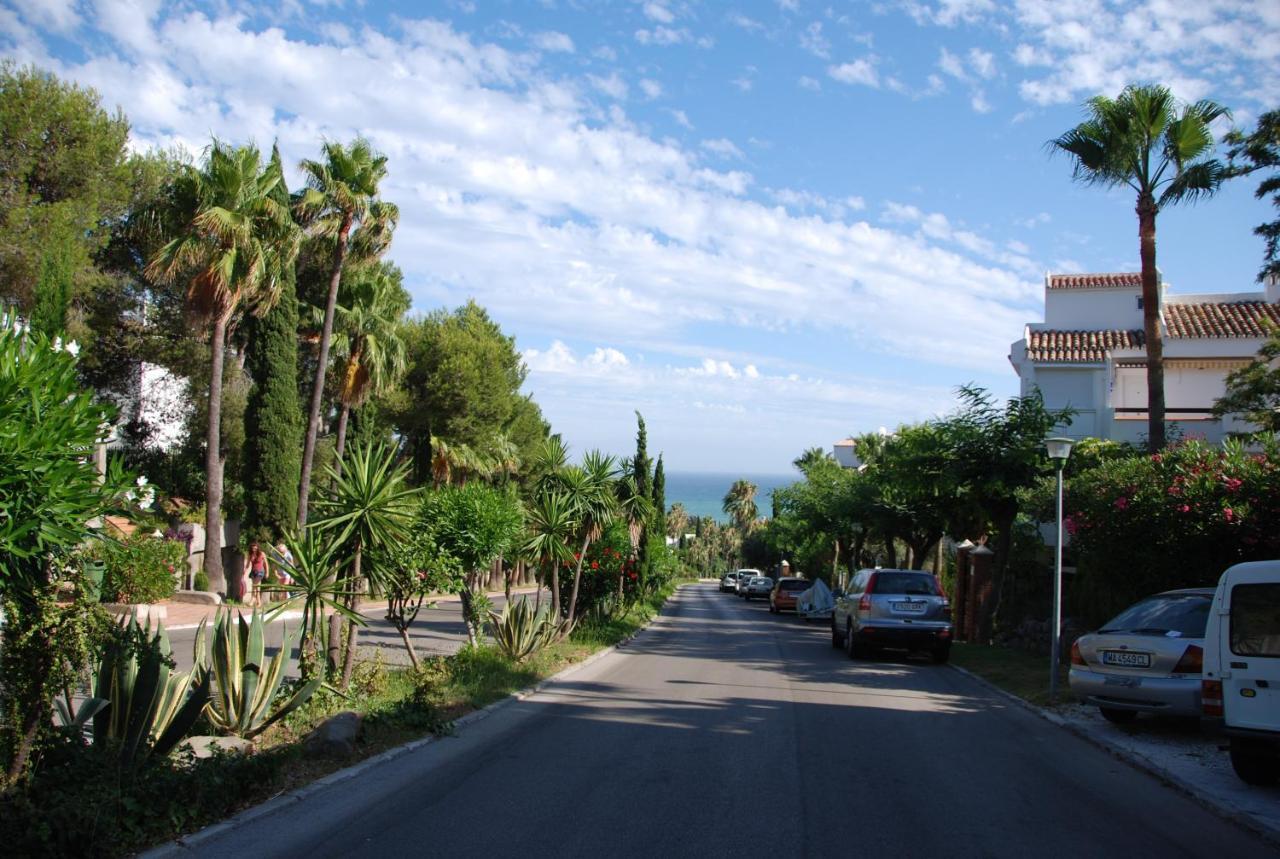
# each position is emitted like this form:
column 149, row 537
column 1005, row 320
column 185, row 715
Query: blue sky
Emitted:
column 765, row 225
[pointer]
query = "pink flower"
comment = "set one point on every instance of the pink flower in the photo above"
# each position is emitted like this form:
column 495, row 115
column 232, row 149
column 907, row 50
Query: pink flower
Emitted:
column 1157, row 458
column 1185, row 508
column 1122, row 503
column 1228, row 514
column 1233, row 484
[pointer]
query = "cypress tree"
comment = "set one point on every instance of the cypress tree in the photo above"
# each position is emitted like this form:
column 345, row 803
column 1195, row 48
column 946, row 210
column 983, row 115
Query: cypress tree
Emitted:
column 644, row 486
column 659, row 498
column 273, row 415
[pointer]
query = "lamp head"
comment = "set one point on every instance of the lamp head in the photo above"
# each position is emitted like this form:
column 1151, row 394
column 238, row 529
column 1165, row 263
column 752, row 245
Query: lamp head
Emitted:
column 1059, row 448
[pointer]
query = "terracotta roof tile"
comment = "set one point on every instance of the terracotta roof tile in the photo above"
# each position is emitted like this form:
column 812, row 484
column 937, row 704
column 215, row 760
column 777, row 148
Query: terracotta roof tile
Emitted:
column 1220, row 319
column 1095, row 281
column 1079, row 347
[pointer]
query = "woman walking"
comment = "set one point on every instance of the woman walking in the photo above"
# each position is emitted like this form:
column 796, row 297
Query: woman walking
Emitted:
column 255, row 571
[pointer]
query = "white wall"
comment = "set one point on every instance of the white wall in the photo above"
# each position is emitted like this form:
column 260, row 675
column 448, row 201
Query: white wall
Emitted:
column 1091, row 309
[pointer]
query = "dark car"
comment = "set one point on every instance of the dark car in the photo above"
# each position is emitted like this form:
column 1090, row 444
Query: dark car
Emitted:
column 903, row 609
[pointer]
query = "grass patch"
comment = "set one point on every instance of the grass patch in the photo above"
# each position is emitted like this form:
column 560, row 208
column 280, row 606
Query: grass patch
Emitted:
column 84, row 803
column 1016, row 671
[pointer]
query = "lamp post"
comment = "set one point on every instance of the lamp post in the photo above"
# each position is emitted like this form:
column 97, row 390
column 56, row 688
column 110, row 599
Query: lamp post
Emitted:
column 1059, row 450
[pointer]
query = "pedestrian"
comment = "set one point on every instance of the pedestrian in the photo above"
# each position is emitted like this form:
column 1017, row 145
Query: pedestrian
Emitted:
column 284, row 567
column 255, row 570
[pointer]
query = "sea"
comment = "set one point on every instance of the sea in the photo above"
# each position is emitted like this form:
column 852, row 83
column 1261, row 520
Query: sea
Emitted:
column 702, row 493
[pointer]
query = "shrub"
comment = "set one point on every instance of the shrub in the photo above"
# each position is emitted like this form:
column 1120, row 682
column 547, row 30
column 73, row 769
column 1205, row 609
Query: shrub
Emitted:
column 140, row 568
column 1178, row 518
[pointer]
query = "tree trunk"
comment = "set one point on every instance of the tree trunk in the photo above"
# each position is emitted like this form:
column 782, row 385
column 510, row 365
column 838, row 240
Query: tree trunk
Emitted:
column 408, row 645
column 555, row 591
column 353, row 629
column 322, row 364
column 1151, row 324
column 891, row 552
column 213, row 461
column 342, row 439
column 537, row 600
column 577, row 580
column 1003, row 522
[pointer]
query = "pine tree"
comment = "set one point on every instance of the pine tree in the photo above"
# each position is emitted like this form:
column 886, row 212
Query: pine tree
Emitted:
column 659, row 498
column 273, row 416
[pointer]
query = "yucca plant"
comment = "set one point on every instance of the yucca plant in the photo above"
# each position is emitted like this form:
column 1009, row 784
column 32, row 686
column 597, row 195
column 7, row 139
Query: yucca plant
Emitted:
column 247, row 680
column 150, row 706
column 519, row 631
column 318, row 590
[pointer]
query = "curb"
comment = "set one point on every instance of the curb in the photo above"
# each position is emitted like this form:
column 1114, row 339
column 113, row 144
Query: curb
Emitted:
column 1268, row 833
column 180, row 846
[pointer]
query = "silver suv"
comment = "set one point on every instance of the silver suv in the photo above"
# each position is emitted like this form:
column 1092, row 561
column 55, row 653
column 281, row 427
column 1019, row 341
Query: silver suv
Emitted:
column 892, row 608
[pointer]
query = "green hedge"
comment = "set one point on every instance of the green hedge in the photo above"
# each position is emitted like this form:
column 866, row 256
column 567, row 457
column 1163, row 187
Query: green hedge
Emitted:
column 140, row 568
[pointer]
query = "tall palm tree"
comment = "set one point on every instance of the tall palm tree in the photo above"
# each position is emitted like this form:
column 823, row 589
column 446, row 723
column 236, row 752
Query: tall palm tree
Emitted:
column 366, row 336
column 1148, row 140
column 235, row 241
column 340, row 203
column 811, row 458
column 677, row 521
column 591, row 494
column 553, row 531
column 740, row 503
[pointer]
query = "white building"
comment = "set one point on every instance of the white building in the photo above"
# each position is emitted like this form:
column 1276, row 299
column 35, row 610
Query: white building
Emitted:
column 1089, row 353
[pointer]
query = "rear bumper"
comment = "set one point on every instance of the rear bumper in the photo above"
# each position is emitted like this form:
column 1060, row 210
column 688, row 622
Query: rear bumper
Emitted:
column 913, row 636
column 784, row 602
column 1172, row 696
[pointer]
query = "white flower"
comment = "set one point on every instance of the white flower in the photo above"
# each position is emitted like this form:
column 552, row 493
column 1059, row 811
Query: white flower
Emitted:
column 73, row 348
column 142, row 480
column 130, row 495
column 57, row 344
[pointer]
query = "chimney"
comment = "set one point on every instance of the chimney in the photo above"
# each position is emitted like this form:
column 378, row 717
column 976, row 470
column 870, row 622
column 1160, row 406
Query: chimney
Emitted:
column 1272, row 285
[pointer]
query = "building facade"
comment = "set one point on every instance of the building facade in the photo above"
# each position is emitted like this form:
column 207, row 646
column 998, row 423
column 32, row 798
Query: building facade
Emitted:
column 1089, row 354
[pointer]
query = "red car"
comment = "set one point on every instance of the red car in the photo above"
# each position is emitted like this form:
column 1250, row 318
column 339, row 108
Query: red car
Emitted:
column 784, row 593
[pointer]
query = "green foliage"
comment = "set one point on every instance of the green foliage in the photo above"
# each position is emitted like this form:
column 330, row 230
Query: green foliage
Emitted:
column 740, row 503
column 519, row 631
column 372, row 504
column 247, row 680
column 273, row 414
column 1174, row 519
column 151, row 707
column 319, row 587
column 1253, row 391
column 1259, row 150
column 659, row 498
column 63, row 180
column 202, row 581
column 140, row 568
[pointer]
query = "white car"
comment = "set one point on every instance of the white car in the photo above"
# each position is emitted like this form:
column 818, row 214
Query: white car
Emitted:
column 1241, row 683
column 758, row 586
column 744, row 577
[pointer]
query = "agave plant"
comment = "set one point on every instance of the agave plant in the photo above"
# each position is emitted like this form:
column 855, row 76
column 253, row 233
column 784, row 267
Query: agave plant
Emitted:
column 519, row 631
column 247, row 680
column 150, row 706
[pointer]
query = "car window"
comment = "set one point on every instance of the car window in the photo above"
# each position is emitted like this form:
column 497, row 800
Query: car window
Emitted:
column 795, row 586
column 1184, row 614
column 1255, row 620
column 905, row 583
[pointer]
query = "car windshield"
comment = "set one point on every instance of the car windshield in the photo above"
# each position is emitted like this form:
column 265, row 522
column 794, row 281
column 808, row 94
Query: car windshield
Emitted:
column 1184, row 614
column 904, row 583
column 795, row 586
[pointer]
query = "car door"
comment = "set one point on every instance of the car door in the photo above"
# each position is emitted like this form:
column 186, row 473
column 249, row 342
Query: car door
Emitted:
column 1250, row 645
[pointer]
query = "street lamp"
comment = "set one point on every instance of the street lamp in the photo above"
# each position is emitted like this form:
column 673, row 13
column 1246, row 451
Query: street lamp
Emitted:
column 1059, row 450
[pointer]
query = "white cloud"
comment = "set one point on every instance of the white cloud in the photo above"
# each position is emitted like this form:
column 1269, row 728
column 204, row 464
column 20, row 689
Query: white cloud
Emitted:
column 722, row 147
column 664, row 36
column 983, row 63
column 737, row 19
column 862, row 71
column 651, row 88
column 809, row 83
column 553, row 42
column 682, row 119
column 59, row 16
column 812, row 40
column 612, row 86
column 606, row 53
column 658, row 12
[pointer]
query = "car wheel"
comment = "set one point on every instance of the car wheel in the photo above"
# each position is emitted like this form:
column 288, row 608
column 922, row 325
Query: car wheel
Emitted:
column 1116, row 716
column 851, row 644
column 1254, row 762
column 941, row 653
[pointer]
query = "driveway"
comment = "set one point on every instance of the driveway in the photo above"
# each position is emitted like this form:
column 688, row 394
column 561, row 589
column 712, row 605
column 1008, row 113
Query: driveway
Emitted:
column 726, row 731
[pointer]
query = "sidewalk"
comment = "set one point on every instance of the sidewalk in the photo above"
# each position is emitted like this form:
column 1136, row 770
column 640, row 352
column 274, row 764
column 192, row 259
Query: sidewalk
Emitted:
column 189, row 615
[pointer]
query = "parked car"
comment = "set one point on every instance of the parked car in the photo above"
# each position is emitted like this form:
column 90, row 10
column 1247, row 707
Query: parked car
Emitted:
column 1241, row 684
column 729, row 583
column 1146, row 659
column 744, row 578
column 903, row 609
column 784, row 593
column 758, row 586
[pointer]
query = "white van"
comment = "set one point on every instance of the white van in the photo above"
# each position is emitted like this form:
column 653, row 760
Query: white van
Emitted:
column 1241, row 680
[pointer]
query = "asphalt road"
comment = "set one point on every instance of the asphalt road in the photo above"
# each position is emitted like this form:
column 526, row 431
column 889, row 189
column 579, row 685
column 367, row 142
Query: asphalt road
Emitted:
column 438, row 630
column 726, row 731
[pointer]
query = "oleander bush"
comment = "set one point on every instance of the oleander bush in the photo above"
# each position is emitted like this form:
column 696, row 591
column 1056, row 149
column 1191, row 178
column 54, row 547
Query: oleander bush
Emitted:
column 140, row 568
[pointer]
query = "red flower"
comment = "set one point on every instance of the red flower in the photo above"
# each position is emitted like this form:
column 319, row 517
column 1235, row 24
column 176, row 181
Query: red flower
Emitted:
column 1122, row 503
column 1157, row 458
column 1233, row 484
column 594, row 565
column 1185, row 508
column 577, row 556
column 1228, row 514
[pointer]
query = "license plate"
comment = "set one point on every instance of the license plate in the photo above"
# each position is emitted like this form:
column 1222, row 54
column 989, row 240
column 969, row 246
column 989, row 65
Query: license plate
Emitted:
column 1126, row 659
column 910, row 607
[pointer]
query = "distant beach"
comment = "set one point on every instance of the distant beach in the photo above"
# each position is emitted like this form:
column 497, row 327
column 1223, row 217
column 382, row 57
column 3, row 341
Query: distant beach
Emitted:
column 702, row 493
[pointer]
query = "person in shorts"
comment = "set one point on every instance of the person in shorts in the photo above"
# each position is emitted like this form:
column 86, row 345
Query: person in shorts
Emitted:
column 256, row 569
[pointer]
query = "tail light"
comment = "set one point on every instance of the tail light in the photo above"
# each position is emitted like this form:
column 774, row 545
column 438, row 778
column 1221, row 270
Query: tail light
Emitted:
column 1077, row 658
column 864, row 604
column 1211, row 697
column 1192, row 661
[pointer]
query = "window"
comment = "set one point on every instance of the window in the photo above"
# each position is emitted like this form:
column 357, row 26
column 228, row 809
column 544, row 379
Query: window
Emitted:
column 906, row 583
column 1139, row 302
column 1255, row 620
column 1184, row 614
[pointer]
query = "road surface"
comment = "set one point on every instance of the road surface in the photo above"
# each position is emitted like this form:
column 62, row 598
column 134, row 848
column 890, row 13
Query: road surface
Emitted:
column 726, row 731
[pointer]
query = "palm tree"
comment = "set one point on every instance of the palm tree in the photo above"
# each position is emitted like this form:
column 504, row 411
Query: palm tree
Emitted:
column 234, row 243
column 811, row 458
column 677, row 521
column 590, row 491
column 740, row 503
column 367, row 337
column 636, row 508
column 341, row 197
column 553, row 531
column 1160, row 148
